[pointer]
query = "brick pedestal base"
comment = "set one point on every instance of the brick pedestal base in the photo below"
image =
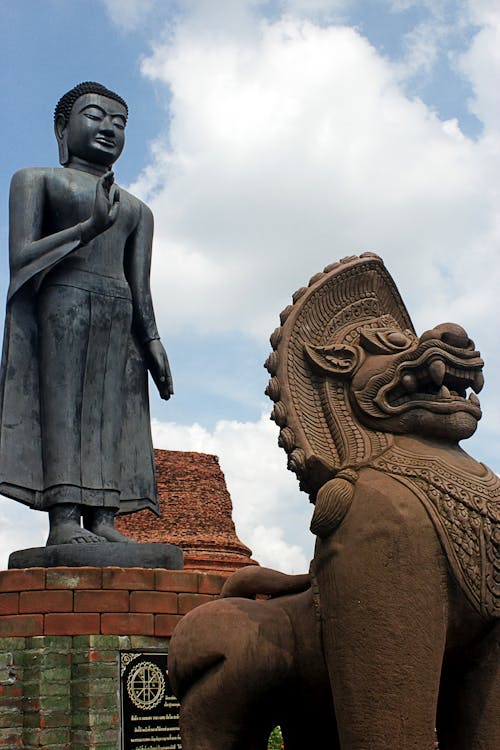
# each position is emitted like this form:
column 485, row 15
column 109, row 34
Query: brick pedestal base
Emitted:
column 61, row 630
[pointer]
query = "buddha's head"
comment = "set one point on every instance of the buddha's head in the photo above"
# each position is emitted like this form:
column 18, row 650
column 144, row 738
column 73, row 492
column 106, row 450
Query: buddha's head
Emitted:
column 89, row 123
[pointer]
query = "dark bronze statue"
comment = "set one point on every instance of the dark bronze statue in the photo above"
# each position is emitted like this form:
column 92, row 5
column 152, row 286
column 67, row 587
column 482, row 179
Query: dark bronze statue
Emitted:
column 80, row 332
column 406, row 571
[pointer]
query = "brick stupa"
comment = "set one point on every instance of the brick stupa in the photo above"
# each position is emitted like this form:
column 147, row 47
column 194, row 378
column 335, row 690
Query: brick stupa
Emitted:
column 196, row 514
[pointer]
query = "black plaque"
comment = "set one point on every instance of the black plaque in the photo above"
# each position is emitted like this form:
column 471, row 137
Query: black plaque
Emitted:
column 149, row 710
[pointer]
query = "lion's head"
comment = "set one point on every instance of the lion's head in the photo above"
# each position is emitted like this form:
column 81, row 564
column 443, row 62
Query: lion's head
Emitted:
column 403, row 384
column 348, row 371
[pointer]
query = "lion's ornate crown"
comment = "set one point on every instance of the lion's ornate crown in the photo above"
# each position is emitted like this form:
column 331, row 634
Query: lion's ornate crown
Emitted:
column 317, row 428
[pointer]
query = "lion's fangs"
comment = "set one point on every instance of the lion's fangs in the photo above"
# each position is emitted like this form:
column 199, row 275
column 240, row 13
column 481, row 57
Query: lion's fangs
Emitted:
column 478, row 382
column 409, row 382
column 437, row 371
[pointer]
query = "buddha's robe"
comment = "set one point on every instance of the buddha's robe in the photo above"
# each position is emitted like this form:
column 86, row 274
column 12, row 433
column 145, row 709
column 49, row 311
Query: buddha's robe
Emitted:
column 74, row 410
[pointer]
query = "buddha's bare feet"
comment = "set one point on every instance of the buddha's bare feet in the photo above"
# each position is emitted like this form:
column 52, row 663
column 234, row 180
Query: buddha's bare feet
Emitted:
column 71, row 533
column 109, row 533
column 101, row 521
column 64, row 519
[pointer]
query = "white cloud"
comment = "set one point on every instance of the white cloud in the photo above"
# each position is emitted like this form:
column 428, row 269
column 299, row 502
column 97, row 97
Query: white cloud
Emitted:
column 269, row 512
column 129, row 14
column 445, row 20
column 293, row 144
column 481, row 63
column 271, row 549
column 325, row 9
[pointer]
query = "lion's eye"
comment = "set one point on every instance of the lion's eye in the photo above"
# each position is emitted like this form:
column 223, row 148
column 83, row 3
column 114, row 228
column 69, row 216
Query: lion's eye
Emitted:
column 384, row 340
column 397, row 338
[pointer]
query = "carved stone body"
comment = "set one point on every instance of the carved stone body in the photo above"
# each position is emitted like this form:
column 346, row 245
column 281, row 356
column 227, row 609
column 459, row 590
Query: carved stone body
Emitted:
column 242, row 667
column 405, row 648
column 407, row 563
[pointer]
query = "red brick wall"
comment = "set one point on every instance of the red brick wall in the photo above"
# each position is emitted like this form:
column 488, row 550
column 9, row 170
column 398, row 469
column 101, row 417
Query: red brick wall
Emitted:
column 108, row 601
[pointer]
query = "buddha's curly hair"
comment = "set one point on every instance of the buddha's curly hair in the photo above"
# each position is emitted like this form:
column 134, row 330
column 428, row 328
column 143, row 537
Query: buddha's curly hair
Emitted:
column 65, row 103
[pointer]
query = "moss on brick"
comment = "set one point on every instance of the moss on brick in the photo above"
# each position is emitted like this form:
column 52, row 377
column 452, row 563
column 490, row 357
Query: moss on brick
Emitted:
column 42, row 674
column 104, row 686
column 47, row 738
column 9, row 717
column 97, row 642
column 11, row 738
column 147, row 641
column 44, row 660
column 95, row 671
column 12, row 644
column 50, row 642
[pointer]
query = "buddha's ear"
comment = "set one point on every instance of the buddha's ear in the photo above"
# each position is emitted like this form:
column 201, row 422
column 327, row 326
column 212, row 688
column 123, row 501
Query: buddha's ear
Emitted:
column 60, row 131
column 336, row 359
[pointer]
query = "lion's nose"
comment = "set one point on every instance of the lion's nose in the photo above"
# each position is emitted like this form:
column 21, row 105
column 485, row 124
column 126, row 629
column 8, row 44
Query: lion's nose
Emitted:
column 451, row 334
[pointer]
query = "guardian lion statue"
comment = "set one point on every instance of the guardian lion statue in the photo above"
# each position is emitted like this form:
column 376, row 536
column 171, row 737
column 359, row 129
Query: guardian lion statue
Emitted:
column 402, row 616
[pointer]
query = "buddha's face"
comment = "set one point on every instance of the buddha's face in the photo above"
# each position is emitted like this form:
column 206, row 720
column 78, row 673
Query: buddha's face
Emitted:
column 95, row 131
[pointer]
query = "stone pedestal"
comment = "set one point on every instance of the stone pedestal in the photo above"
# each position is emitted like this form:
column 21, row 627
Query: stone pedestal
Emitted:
column 61, row 632
column 106, row 555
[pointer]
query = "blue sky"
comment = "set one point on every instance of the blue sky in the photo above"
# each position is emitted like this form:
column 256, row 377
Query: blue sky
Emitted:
column 271, row 138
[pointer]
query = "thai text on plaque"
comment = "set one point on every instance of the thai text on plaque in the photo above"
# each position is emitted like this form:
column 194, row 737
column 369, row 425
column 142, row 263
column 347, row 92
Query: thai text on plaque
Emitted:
column 149, row 710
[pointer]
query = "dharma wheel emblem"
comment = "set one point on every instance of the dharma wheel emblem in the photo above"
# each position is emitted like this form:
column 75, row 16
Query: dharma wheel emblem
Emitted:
column 146, row 685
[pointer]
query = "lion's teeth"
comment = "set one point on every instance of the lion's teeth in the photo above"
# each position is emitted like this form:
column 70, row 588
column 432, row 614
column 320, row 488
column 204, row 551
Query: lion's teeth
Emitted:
column 478, row 382
column 474, row 399
column 437, row 369
column 444, row 392
column 409, row 382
